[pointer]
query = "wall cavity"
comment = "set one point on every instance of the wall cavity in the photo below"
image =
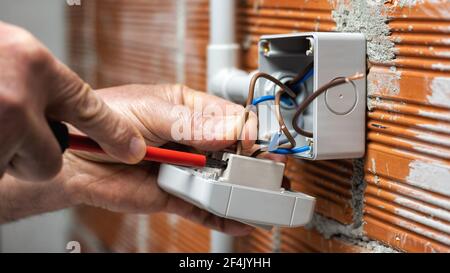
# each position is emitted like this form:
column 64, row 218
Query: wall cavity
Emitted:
column 347, row 233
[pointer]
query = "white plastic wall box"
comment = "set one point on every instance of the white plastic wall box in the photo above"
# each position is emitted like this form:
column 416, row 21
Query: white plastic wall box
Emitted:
column 249, row 192
column 337, row 117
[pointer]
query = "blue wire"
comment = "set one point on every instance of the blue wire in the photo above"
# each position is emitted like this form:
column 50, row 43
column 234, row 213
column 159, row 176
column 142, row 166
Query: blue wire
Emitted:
column 284, row 151
column 308, row 75
column 262, row 99
column 270, row 97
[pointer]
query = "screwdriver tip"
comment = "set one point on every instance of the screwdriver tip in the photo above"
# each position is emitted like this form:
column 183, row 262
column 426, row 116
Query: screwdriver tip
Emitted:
column 216, row 163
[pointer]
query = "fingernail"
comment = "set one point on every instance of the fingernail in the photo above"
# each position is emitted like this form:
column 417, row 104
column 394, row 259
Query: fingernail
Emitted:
column 137, row 148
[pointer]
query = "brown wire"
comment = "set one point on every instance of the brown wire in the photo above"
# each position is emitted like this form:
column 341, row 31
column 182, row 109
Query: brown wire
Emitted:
column 281, row 120
column 257, row 152
column 251, row 93
column 305, row 103
column 278, row 95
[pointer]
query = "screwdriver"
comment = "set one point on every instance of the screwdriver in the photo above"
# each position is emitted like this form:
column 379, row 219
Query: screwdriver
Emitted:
column 155, row 154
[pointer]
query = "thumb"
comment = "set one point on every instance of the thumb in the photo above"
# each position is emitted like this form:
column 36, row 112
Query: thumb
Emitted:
column 73, row 101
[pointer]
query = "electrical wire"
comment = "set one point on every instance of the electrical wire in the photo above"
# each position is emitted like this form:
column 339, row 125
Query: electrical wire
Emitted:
column 314, row 95
column 257, row 152
column 281, row 120
column 251, row 93
column 285, row 141
column 307, row 72
column 266, row 98
column 262, row 99
column 303, row 75
column 295, row 84
column 283, row 151
column 296, row 150
column 278, row 98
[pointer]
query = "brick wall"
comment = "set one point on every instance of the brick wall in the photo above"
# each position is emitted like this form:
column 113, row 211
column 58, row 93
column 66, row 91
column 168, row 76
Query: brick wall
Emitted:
column 396, row 198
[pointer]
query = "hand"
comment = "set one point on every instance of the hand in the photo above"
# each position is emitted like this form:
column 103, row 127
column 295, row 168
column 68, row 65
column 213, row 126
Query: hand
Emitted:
column 34, row 87
column 155, row 110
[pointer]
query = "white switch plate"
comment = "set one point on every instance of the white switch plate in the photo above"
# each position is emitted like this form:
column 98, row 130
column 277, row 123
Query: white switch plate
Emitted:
column 234, row 198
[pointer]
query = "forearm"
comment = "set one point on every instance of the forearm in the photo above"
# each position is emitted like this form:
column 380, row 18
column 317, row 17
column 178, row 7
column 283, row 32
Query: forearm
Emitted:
column 19, row 199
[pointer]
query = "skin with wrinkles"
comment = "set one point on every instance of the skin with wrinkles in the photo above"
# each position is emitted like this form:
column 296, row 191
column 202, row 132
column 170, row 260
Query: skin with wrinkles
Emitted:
column 35, row 86
column 103, row 182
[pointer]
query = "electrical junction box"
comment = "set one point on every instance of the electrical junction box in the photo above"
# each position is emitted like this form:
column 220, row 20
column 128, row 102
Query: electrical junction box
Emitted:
column 337, row 117
column 248, row 190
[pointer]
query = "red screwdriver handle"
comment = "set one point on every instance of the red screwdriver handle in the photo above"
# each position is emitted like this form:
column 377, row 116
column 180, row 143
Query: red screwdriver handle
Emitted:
column 175, row 157
column 82, row 143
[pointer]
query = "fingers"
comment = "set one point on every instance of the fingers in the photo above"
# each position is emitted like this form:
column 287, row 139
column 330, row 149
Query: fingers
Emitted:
column 19, row 54
column 13, row 124
column 174, row 113
column 192, row 98
column 39, row 85
column 206, row 103
column 197, row 215
column 208, row 131
column 39, row 157
column 177, row 94
column 76, row 103
column 27, row 147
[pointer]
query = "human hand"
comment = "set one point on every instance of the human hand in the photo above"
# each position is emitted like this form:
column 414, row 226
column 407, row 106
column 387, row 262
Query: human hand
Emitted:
column 155, row 110
column 34, row 87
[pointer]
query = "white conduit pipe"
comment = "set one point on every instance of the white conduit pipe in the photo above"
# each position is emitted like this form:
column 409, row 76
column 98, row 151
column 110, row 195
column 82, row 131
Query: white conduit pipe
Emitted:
column 224, row 77
column 223, row 55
